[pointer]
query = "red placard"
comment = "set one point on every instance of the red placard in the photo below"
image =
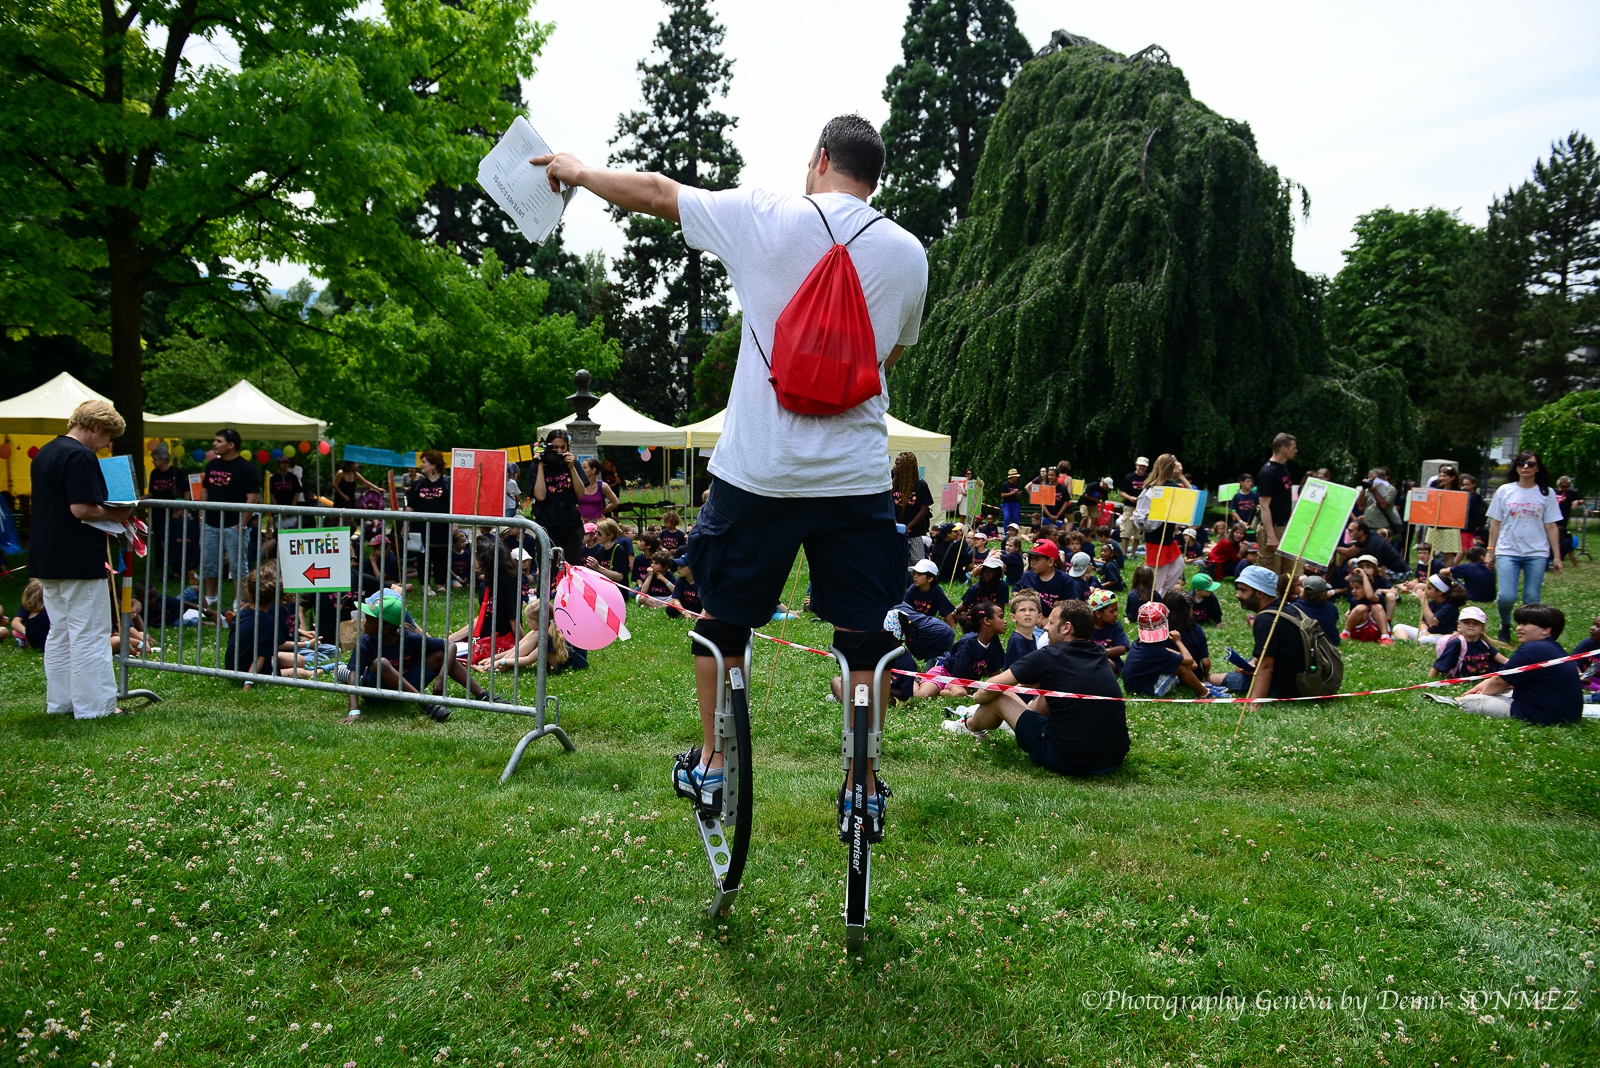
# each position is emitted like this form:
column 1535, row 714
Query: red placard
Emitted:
column 1437, row 508
column 478, row 482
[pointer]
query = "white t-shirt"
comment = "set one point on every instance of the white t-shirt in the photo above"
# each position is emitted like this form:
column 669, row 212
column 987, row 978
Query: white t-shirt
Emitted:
column 769, row 243
column 1522, row 514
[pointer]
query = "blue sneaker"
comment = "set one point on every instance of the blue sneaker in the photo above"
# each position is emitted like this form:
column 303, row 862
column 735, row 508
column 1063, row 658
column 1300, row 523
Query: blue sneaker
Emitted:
column 1213, row 690
column 876, row 810
column 699, row 784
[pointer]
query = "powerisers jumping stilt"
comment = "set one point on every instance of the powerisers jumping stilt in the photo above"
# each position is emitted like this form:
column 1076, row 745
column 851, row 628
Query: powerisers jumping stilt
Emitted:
column 861, row 814
column 723, row 807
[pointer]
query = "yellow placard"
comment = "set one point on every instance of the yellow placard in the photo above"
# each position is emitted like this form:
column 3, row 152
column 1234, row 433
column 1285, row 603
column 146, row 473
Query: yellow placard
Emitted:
column 1174, row 504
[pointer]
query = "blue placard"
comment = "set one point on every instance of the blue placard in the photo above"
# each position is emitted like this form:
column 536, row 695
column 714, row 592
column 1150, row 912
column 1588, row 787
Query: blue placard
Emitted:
column 118, row 473
column 379, row 457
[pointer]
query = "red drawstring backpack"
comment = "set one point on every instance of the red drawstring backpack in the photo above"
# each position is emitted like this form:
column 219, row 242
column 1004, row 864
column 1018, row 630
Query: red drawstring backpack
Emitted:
column 824, row 354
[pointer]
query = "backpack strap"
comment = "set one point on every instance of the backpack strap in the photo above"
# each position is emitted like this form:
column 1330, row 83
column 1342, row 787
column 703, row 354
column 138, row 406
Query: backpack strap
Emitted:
column 828, row 228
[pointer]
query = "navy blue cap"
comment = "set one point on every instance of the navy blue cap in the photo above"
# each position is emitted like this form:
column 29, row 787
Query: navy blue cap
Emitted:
column 681, row 561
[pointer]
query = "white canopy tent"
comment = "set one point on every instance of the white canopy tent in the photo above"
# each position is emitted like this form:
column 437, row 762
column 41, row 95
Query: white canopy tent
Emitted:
column 932, row 449
column 45, row 410
column 243, row 408
column 622, row 425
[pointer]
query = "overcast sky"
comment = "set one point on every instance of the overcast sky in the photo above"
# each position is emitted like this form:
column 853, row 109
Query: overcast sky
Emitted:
column 1366, row 104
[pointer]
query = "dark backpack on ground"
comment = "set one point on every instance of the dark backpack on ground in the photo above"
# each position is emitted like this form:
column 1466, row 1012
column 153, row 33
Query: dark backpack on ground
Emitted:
column 1324, row 672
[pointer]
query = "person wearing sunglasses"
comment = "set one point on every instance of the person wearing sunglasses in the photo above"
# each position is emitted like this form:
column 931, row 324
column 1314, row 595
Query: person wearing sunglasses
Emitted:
column 1523, row 537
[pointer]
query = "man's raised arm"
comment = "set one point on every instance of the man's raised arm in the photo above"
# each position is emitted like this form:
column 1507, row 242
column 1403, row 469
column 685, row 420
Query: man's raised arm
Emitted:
column 651, row 194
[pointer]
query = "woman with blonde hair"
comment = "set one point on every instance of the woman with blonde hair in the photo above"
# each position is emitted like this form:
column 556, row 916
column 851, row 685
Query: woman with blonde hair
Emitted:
column 526, row 652
column 1163, row 549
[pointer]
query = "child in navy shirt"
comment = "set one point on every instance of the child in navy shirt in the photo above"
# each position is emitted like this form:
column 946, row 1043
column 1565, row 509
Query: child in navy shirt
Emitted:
column 1108, row 575
column 1466, row 652
column 1108, row 633
column 1477, row 576
column 1026, row 634
column 926, row 595
column 1204, row 604
column 685, row 591
column 1242, row 508
column 977, row 655
column 1546, row 696
column 988, row 583
column 1315, row 602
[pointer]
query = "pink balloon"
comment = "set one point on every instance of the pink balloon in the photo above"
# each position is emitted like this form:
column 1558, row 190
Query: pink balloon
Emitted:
column 588, row 609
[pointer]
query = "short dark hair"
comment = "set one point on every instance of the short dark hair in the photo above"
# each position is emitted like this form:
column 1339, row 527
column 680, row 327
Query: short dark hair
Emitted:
column 1543, row 615
column 854, row 147
column 1283, row 441
column 231, row 436
column 1361, row 525
column 1076, row 614
column 433, row 456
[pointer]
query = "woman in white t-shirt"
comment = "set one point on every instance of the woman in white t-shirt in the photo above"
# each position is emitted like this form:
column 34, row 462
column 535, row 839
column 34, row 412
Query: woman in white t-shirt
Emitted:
column 1523, row 538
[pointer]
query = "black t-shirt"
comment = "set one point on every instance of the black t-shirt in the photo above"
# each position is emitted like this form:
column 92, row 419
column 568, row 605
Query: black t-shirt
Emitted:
column 687, row 594
column 921, row 498
column 252, row 637
column 229, row 482
column 1458, row 658
column 1131, row 483
column 1052, row 590
column 1549, row 695
column 36, row 627
column 1287, row 651
column 1479, row 579
column 1205, row 607
column 284, row 487
column 930, row 602
column 165, row 485
column 1147, row 662
column 502, row 613
column 1275, row 482
column 62, row 546
column 559, row 509
column 1089, row 735
column 999, row 593
column 430, row 495
column 673, row 540
column 1010, row 491
column 413, row 647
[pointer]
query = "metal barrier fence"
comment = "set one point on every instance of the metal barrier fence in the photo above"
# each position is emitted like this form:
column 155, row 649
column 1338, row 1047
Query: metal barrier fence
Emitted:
column 179, row 538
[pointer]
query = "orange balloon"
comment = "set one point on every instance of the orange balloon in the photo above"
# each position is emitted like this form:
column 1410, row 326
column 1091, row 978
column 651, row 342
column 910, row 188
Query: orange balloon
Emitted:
column 5, row 450
column 150, row 446
column 305, row 446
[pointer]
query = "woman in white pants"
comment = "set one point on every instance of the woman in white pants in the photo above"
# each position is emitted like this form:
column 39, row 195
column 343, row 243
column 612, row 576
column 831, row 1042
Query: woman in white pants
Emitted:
column 69, row 556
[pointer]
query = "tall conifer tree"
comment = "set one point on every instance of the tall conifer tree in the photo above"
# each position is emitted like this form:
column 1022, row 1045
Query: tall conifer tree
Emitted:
column 959, row 57
column 674, row 293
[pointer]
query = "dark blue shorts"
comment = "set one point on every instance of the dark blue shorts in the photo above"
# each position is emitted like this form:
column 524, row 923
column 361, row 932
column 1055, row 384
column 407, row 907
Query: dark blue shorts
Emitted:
column 743, row 545
column 1033, row 738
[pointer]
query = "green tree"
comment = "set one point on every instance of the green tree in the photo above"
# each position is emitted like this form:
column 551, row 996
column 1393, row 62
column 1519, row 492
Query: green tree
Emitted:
column 124, row 164
column 713, row 379
column 1401, row 267
column 1559, row 210
column 959, row 56
column 1124, row 283
column 674, row 293
column 1520, row 326
column 1566, row 435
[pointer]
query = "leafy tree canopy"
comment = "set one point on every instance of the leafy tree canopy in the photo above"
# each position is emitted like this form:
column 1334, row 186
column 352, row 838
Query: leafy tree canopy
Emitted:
column 675, row 295
column 1566, row 435
column 130, row 169
column 1122, row 285
column 713, row 378
column 959, row 57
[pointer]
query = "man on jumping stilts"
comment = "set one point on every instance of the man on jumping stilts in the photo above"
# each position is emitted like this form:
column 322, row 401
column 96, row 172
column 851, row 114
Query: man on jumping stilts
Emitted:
column 786, row 480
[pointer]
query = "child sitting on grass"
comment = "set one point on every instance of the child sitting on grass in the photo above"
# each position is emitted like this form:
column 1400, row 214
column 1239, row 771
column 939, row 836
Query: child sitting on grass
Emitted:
column 977, row 655
column 926, row 595
column 1144, row 580
column 656, row 585
column 386, row 643
column 1026, row 634
column 1466, row 652
column 561, row 657
column 31, row 625
column 988, row 583
column 263, row 637
column 1316, row 602
column 1203, row 602
column 672, row 539
column 1108, row 572
column 1108, row 633
column 1158, row 662
column 685, row 599
column 1191, row 636
column 1547, row 696
column 1368, row 618
column 1441, row 602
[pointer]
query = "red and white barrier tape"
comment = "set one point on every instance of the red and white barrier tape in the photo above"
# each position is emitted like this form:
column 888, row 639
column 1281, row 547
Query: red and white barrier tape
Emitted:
column 977, row 684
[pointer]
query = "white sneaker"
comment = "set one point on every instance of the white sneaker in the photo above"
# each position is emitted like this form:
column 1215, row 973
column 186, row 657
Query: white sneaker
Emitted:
column 959, row 727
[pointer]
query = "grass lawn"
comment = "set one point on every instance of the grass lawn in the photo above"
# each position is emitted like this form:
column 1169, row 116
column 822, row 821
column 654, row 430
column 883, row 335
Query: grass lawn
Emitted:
column 233, row 878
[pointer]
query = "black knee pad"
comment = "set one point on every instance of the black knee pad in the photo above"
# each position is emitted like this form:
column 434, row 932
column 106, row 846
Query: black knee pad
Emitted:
column 731, row 640
column 863, row 649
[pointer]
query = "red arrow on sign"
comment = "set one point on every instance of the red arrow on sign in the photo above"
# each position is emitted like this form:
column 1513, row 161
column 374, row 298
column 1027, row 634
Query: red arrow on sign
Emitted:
column 313, row 573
